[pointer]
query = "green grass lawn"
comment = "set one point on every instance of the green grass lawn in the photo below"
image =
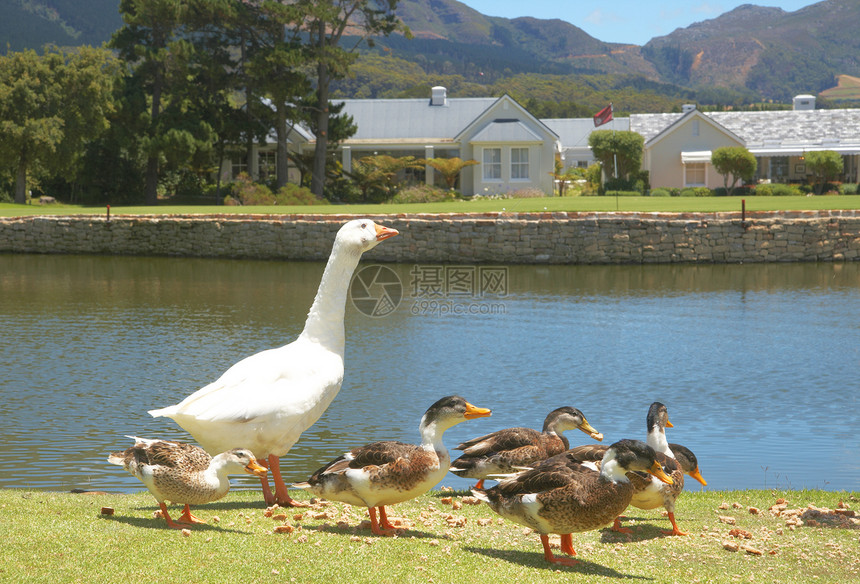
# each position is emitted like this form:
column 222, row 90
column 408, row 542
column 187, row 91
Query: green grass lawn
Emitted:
column 61, row 537
column 582, row 204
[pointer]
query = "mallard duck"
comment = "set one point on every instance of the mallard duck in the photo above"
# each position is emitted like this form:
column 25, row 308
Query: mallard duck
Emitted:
column 505, row 451
column 651, row 493
column 560, row 495
column 183, row 473
column 689, row 462
column 267, row 400
column 385, row 473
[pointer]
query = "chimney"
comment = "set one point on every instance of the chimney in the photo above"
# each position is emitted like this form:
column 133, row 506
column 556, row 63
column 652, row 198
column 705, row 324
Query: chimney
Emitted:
column 688, row 107
column 438, row 96
column 804, row 102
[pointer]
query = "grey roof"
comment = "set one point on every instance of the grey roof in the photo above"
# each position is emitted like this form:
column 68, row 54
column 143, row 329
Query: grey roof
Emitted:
column 413, row 119
column 506, row 131
column 573, row 132
column 777, row 129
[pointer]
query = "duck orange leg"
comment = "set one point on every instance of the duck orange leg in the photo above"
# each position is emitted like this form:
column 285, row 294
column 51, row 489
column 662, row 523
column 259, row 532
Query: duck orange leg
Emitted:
column 187, row 517
column 479, row 484
column 567, row 544
column 548, row 555
column 374, row 524
column 282, row 496
column 617, row 526
column 170, row 523
column 675, row 530
column 383, row 519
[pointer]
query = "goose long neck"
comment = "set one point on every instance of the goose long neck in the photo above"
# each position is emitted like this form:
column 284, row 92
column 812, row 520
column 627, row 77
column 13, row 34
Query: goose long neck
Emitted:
column 324, row 324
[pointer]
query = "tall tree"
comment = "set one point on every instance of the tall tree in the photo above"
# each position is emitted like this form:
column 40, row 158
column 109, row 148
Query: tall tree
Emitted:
column 149, row 41
column 50, row 107
column 326, row 22
column 276, row 71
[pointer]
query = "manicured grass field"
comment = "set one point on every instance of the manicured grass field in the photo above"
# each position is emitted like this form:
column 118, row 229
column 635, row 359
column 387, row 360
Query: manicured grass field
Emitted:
column 61, row 537
column 582, row 204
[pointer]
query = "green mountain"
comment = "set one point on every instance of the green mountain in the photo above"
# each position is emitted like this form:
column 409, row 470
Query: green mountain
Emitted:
column 751, row 52
column 775, row 53
column 31, row 24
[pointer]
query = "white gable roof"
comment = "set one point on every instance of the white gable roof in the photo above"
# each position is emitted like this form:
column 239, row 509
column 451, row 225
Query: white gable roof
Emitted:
column 383, row 120
column 773, row 132
column 502, row 130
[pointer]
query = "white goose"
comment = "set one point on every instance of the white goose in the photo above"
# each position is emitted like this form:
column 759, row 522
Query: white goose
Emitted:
column 265, row 401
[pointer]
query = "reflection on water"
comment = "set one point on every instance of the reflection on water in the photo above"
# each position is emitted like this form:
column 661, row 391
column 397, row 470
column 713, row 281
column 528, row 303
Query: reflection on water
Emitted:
column 758, row 364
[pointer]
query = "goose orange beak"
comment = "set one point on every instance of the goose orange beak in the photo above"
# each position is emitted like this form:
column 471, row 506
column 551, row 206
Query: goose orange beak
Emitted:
column 476, row 412
column 256, row 469
column 383, row 233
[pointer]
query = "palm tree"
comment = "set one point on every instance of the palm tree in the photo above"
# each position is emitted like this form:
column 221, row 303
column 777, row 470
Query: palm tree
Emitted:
column 450, row 168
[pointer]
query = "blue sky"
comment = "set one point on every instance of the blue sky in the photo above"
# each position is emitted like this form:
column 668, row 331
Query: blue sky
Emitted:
column 624, row 21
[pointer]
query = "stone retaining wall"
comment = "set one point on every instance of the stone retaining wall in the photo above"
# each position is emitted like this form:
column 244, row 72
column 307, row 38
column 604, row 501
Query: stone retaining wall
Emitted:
column 560, row 238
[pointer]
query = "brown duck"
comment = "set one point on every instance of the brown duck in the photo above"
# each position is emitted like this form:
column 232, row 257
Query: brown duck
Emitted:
column 509, row 450
column 560, row 495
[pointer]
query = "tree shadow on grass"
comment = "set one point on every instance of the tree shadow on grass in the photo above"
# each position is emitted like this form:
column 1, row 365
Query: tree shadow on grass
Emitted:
column 536, row 560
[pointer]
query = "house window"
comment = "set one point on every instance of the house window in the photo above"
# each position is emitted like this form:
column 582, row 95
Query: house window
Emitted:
column 519, row 163
column 492, row 164
column 238, row 165
column 694, row 174
column 695, row 127
column 268, row 161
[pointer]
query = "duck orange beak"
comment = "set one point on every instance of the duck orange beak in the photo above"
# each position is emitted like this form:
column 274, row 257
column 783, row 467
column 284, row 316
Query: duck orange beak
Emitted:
column 586, row 427
column 658, row 472
column 669, row 424
column 698, row 476
column 383, row 233
column 476, row 412
column 256, row 469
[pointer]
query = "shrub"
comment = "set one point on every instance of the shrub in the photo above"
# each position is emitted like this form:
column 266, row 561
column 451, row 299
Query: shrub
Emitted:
column 848, row 189
column 783, row 190
column 763, row 190
column 291, row 194
column 661, row 192
column 695, row 192
column 423, row 194
column 623, row 194
column 527, row 194
column 244, row 191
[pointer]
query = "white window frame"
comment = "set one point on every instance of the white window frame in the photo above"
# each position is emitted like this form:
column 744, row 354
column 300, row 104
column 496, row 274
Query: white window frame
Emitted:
column 691, row 171
column 491, row 170
column 520, row 167
column 238, row 165
column 267, row 164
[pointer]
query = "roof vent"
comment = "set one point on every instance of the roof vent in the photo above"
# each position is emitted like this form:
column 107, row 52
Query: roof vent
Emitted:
column 804, row 102
column 688, row 107
column 438, row 96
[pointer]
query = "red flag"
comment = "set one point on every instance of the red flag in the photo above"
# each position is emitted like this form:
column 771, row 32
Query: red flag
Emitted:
column 603, row 116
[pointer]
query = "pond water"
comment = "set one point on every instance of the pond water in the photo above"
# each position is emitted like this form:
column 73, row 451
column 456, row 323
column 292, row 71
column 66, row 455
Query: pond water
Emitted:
column 758, row 364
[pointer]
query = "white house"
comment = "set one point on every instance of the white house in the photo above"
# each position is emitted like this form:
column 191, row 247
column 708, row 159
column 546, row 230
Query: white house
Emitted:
column 514, row 149
column 678, row 147
column 517, row 151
